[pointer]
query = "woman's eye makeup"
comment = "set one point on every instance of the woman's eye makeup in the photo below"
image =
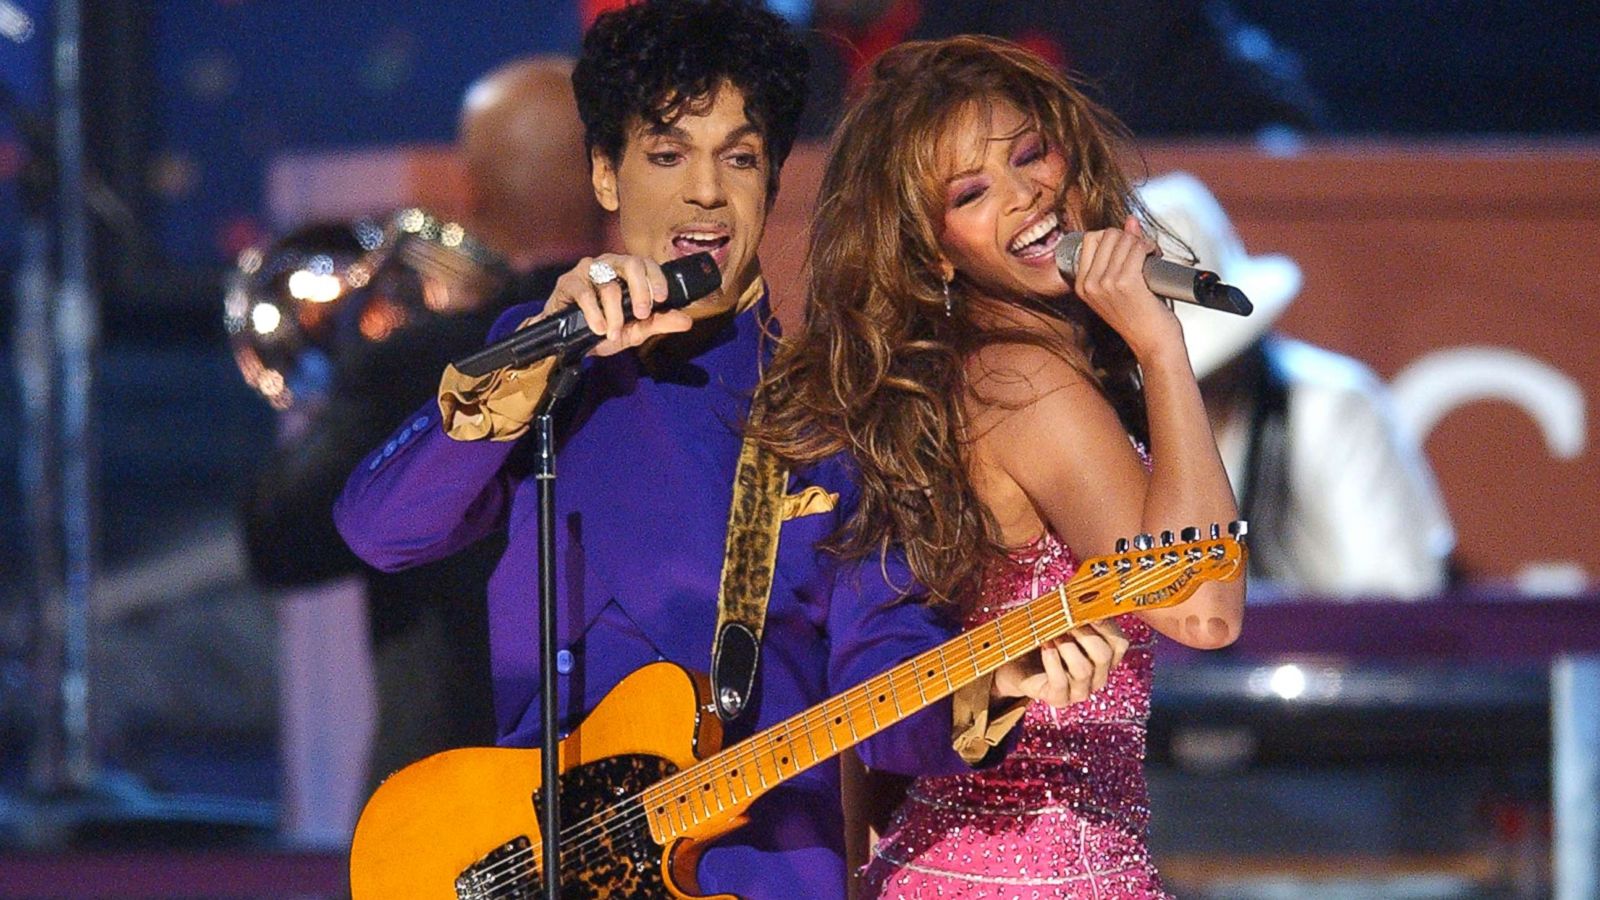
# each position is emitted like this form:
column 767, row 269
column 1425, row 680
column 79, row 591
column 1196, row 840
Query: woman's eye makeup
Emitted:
column 964, row 195
column 1031, row 151
column 1028, row 150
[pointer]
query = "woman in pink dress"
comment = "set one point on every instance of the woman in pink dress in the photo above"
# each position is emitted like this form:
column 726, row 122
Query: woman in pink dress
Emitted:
column 989, row 404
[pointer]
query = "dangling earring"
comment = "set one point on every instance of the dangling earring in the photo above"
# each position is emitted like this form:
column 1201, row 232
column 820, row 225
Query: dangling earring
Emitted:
column 949, row 304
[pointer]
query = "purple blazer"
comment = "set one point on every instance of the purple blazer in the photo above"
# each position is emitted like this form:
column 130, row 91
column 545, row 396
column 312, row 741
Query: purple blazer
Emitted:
column 645, row 463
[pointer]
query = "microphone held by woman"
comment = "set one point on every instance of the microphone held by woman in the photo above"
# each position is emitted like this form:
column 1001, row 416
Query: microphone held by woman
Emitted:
column 1174, row 281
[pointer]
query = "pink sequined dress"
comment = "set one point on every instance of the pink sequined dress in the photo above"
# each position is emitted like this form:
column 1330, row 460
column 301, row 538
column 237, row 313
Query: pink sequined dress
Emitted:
column 1065, row 814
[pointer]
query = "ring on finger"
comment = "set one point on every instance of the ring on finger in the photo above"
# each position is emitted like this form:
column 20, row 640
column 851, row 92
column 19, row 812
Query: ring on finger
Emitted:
column 601, row 272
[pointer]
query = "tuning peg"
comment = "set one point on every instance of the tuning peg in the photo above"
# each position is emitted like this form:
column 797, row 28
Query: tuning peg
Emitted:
column 1216, row 531
column 1122, row 545
column 1143, row 541
column 1189, row 535
column 1238, row 528
column 1167, row 538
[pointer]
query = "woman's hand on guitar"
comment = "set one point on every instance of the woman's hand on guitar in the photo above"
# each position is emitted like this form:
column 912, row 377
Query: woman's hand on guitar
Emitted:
column 1067, row 670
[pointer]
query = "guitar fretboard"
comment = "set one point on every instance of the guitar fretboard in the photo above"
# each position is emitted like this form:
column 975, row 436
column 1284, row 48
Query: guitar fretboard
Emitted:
column 719, row 786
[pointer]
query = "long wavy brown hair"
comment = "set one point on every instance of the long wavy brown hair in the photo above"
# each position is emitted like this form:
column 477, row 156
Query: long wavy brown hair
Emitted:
column 879, row 368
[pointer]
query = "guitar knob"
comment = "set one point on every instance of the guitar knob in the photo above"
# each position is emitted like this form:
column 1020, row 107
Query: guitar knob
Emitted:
column 1167, row 538
column 1216, row 532
column 1122, row 545
column 1189, row 535
column 1238, row 528
column 1143, row 541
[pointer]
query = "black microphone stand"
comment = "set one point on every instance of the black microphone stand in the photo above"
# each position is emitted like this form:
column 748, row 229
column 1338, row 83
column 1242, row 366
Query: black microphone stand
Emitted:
column 562, row 380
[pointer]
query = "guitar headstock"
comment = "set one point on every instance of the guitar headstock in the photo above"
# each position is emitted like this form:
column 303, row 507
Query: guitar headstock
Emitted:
column 1155, row 572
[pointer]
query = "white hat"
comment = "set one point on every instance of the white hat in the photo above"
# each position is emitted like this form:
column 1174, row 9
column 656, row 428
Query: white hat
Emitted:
column 1184, row 207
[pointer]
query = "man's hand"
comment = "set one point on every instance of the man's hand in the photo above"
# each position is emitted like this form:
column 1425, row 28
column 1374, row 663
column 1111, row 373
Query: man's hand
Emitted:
column 602, row 303
column 1066, row 670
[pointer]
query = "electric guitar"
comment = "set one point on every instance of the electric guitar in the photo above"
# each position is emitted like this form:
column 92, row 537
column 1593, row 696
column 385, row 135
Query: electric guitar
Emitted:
column 645, row 783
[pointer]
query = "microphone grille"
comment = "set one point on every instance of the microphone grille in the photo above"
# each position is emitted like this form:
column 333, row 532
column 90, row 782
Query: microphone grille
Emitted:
column 1067, row 253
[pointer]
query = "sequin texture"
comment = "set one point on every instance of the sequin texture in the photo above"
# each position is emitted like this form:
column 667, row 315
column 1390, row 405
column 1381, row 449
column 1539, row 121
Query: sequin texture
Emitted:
column 1065, row 814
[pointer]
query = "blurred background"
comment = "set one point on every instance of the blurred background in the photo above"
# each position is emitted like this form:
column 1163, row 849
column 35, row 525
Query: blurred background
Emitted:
column 180, row 718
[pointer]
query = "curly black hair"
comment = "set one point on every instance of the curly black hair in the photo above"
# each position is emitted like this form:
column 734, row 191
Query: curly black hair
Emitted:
column 655, row 59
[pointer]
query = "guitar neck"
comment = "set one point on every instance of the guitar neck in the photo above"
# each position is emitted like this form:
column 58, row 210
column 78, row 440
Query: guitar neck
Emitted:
column 713, row 789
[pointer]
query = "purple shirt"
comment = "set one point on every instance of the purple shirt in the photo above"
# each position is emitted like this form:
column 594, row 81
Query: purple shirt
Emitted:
column 644, row 481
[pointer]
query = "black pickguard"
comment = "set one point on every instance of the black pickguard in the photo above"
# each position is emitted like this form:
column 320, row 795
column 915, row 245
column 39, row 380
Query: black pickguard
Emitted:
column 607, row 850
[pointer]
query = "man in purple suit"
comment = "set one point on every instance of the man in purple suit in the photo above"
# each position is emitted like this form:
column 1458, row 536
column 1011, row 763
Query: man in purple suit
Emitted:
column 690, row 108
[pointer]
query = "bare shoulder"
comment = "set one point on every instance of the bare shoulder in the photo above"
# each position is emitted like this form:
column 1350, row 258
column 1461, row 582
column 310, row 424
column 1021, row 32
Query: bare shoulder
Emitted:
column 1027, row 404
column 1010, row 378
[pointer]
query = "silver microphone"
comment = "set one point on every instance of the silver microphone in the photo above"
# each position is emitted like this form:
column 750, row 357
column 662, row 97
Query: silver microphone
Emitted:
column 1166, row 279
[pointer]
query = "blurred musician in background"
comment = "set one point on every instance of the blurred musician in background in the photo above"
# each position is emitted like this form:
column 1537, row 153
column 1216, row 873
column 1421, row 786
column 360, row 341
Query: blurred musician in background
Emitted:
column 521, row 145
column 425, row 292
column 1340, row 499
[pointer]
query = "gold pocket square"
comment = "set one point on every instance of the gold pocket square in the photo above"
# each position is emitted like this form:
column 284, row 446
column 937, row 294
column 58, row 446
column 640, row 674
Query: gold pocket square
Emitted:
column 809, row 502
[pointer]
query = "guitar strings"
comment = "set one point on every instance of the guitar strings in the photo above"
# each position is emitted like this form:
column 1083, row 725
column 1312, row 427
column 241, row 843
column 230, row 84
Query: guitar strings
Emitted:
column 593, row 829
column 1056, row 619
column 582, row 852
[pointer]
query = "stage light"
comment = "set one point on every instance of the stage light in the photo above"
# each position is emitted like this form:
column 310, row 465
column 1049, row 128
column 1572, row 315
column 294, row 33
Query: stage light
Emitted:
column 250, row 260
column 313, row 287
column 265, row 318
column 1288, row 681
column 15, row 23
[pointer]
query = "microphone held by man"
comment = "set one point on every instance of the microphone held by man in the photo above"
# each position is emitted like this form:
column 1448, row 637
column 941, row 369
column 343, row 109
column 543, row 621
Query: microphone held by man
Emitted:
column 688, row 279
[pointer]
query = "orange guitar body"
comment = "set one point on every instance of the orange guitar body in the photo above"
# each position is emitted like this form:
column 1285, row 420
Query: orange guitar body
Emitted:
column 432, row 822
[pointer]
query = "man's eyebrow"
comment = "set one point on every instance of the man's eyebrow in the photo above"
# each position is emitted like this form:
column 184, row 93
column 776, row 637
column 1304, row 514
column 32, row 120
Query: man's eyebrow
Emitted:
column 666, row 130
column 740, row 133
column 674, row 132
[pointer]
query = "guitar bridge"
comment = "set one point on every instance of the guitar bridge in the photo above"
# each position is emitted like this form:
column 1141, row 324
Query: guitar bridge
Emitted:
column 506, row 872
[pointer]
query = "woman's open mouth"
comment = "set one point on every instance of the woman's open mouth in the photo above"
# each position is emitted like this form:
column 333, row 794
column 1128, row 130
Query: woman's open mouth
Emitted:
column 1038, row 240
